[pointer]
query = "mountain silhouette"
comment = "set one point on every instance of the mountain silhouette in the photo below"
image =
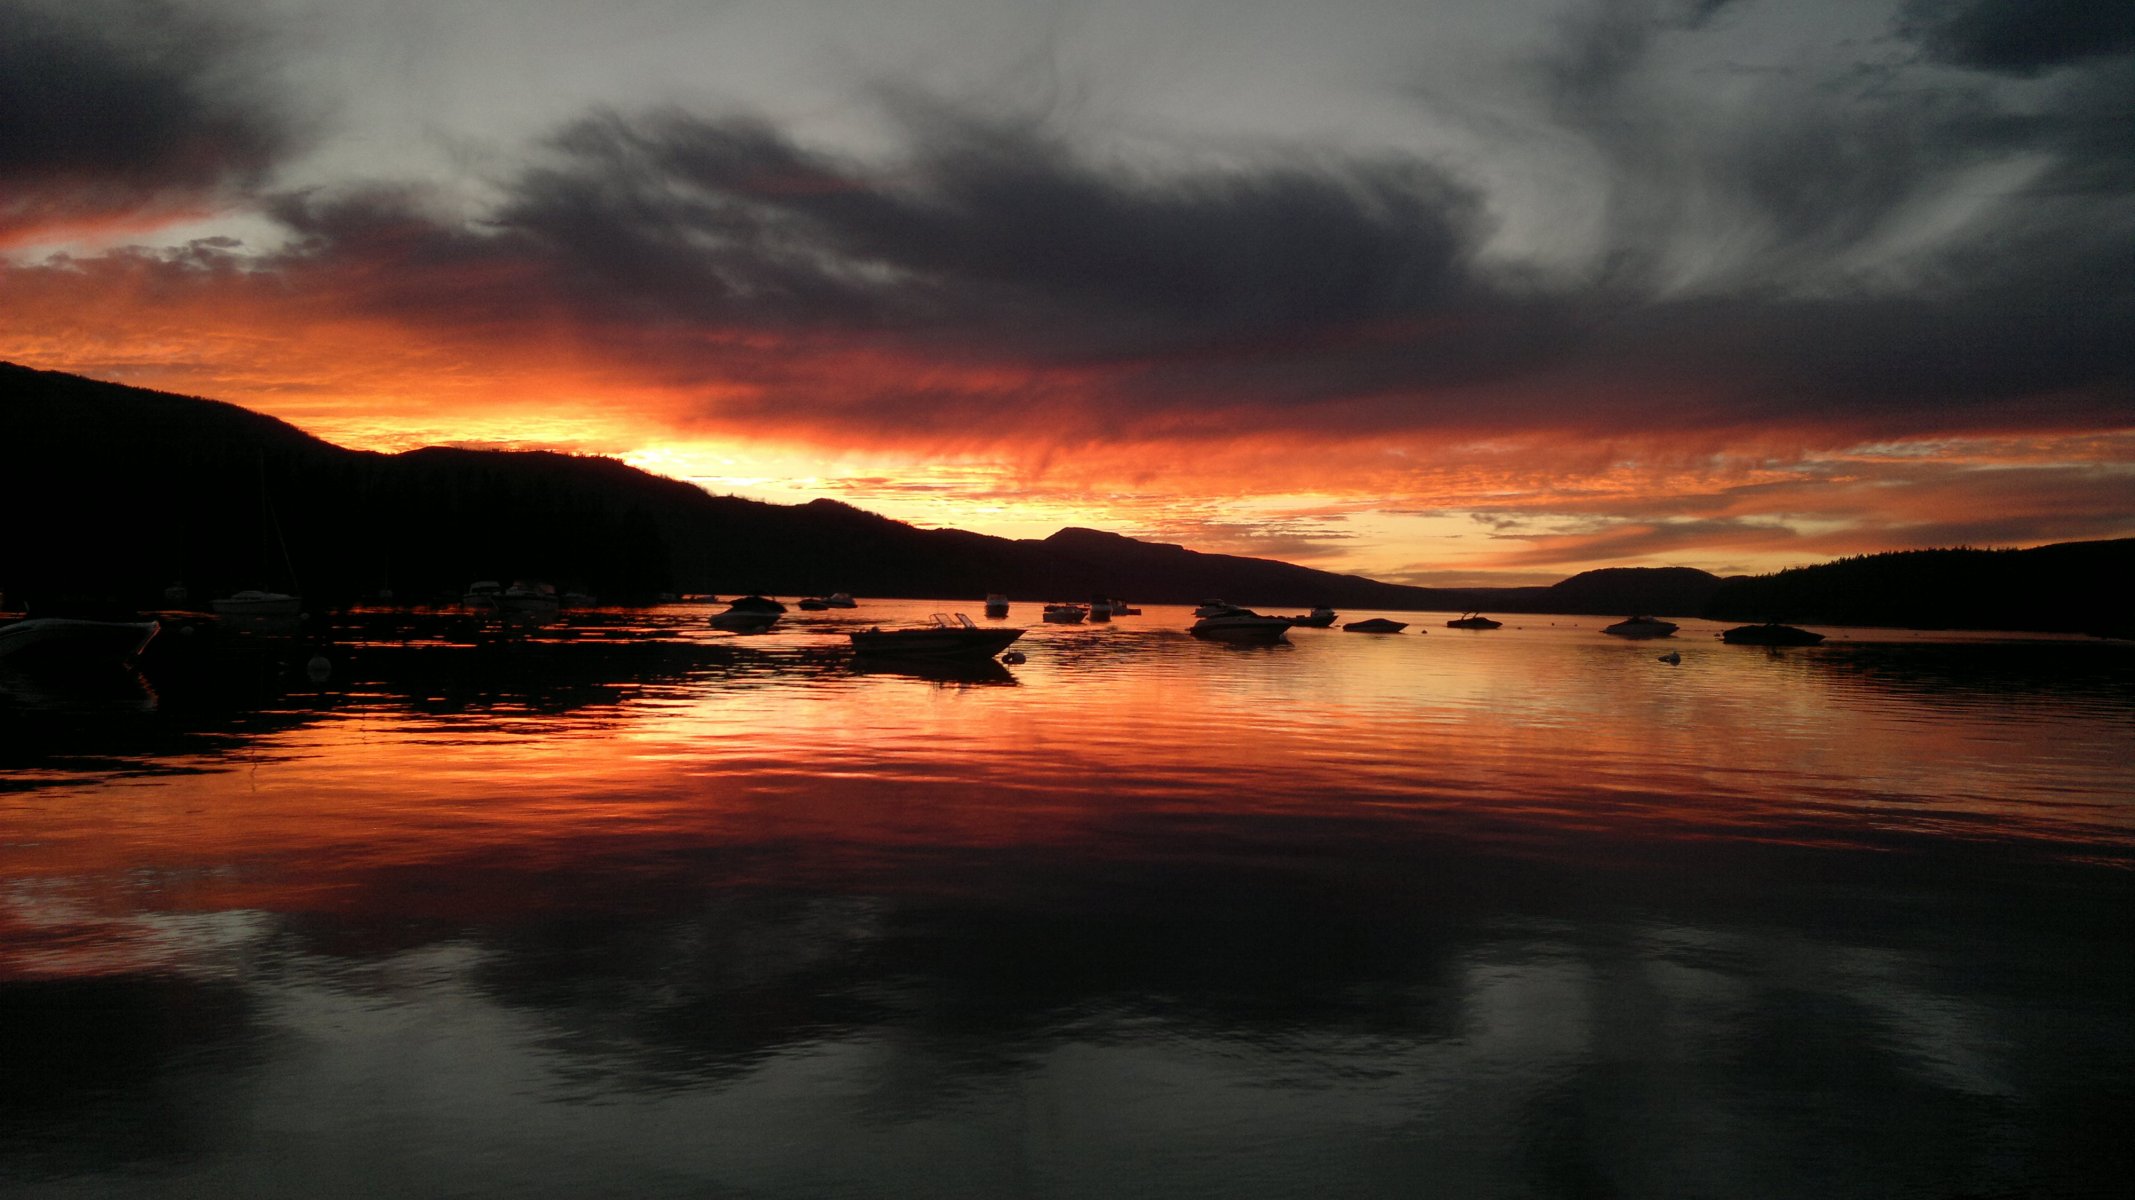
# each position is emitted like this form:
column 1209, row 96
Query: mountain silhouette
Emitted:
column 119, row 493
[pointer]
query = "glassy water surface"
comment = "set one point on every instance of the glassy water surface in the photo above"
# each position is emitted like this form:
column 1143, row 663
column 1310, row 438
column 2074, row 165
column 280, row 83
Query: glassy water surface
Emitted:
column 635, row 907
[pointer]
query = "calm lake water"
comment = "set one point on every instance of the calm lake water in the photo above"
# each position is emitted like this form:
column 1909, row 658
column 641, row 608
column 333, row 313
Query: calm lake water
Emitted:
column 638, row 908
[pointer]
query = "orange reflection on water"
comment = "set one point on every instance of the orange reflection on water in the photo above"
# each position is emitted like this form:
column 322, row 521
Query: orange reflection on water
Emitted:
column 786, row 767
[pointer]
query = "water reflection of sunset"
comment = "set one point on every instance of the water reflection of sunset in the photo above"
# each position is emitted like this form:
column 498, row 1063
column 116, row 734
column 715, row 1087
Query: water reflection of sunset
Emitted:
column 1542, row 735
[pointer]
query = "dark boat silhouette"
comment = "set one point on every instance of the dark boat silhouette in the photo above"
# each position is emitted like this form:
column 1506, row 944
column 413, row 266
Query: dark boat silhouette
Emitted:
column 1375, row 625
column 1771, row 633
column 1472, row 620
column 956, row 637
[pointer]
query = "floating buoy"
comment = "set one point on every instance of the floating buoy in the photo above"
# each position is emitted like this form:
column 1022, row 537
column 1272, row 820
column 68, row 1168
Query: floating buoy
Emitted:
column 319, row 668
column 1013, row 656
column 1672, row 657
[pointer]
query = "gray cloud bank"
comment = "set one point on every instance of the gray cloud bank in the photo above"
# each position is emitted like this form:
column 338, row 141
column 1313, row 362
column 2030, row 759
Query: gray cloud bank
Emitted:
column 1936, row 237
column 114, row 108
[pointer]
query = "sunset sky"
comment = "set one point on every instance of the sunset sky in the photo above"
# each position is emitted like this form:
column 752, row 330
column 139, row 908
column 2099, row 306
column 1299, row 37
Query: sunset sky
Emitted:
column 1437, row 291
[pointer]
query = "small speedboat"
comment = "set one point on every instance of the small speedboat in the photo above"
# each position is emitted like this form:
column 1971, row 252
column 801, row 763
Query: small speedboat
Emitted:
column 946, row 636
column 1066, row 614
column 996, row 605
column 1319, row 618
column 1240, row 625
column 1473, row 621
column 1641, row 627
column 60, row 640
column 749, row 614
column 1771, row 633
column 1375, row 625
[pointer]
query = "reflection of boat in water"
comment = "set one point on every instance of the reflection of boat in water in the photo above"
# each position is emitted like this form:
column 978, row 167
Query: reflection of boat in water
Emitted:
column 1375, row 625
column 1240, row 625
column 1319, row 618
column 1771, row 633
column 952, row 670
column 945, row 637
column 749, row 614
column 1472, row 621
column 996, row 605
column 96, row 687
column 70, row 640
column 253, row 603
column 1641, row 627
column 1065, row 614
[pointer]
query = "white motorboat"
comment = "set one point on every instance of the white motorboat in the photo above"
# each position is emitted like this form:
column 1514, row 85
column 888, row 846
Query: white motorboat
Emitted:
column 61, row 639
column 1241, row 625
column 254, row 603
column 1641, row 627
column 946, row 636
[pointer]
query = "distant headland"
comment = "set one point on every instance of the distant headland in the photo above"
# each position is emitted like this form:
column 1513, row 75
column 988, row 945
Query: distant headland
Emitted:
column 121, row 493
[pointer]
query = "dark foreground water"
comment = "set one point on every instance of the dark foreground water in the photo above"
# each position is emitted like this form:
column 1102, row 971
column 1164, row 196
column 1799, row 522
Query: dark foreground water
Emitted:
column 640, row 909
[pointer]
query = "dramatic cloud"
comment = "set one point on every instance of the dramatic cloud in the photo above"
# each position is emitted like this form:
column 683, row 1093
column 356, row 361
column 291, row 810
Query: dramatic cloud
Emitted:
column 2021, row 37
column 126, row 113
column 1780, row 237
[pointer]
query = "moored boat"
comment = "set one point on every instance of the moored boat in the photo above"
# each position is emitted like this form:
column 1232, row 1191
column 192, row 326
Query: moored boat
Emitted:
column 1771, row 633
column 1240, row 625
column 1065, row 614
column 996, row 605
column 1472, row 620
column 1641, row 627
column 1319, row 618
column 529, row 598
column 1214, row 608
column 1375, row 625
column 946, row 636
column 749, row 614
column 254, row 603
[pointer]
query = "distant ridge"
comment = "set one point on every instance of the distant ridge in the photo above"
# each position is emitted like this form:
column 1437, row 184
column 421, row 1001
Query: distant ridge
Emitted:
column 2070, row 587
column 120, row 492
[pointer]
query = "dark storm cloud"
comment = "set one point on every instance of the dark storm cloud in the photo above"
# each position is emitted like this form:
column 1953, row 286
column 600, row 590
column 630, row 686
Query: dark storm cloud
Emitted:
column 110, row 108
column 995, row 227
column 1750, row 249
column 2020, row 37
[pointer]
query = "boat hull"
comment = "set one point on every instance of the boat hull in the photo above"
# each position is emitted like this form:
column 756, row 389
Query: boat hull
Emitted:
column 1770, row 635
column 259, row 604
column 1241, row 629
column 65, row 639
column 1375, row 625
column 932, row 643
column 744, row 621
column 1640, row 628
